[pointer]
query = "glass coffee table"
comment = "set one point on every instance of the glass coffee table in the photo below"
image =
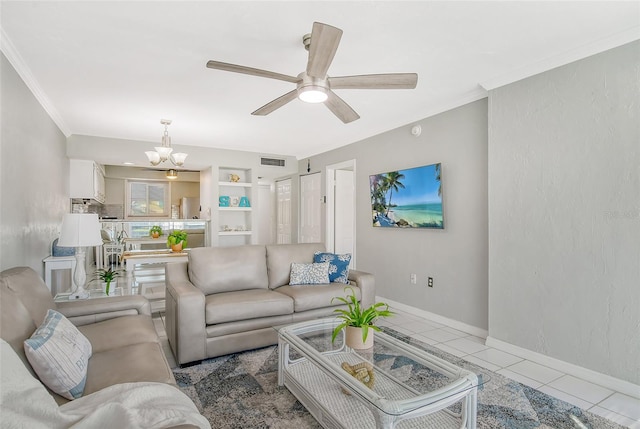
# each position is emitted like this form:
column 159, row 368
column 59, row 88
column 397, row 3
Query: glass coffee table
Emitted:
column 410, row 388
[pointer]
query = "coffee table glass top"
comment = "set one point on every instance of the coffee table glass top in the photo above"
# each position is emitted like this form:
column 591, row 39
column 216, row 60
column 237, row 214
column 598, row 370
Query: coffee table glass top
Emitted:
column 405, row 377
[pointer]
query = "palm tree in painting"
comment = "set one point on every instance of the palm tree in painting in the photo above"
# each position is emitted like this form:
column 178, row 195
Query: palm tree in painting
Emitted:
column 438, row 172
column 378, row 192
column 392, row 182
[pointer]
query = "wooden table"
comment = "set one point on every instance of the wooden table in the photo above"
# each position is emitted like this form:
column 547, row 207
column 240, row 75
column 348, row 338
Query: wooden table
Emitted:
column 133, row 257
column 137, row 243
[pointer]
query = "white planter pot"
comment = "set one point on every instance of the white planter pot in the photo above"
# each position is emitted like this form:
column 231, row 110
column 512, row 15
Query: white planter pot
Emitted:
column 112, row 287
column 353, row 338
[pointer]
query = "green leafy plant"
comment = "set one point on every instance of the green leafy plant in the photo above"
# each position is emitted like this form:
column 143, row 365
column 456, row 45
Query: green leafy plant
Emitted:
column 107, row 276
column 156, row 229
column 358, row 317
column 176, row 237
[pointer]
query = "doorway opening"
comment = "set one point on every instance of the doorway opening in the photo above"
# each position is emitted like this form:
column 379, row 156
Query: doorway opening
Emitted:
column 341, row 209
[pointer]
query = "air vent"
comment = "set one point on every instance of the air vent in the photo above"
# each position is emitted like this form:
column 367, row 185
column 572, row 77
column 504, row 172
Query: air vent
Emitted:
column 272, row 161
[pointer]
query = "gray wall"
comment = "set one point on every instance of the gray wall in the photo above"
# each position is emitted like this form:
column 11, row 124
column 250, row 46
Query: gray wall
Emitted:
column 564, row 213
column 455, row 257
column 34, row 178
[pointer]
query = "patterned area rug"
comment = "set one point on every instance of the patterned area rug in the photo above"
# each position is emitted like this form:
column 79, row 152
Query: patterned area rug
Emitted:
column 241, row 391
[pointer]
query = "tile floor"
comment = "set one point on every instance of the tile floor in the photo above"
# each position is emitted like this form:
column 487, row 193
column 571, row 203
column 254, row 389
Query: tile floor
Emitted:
column 615, row 406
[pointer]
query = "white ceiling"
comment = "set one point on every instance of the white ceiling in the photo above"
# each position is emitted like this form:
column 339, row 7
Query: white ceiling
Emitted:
column 114, row 69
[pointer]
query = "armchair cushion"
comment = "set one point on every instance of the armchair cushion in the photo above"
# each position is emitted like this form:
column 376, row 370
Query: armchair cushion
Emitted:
column 59, row 354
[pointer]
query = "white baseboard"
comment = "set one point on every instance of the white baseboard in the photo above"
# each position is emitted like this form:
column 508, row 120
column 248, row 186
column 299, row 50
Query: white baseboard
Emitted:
column 456, row 324
column 589, row 375
column 600, row 379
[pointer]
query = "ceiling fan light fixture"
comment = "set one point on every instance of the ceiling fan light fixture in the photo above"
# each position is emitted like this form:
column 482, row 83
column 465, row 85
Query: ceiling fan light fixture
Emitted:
column 312, row 94
column 172, row 174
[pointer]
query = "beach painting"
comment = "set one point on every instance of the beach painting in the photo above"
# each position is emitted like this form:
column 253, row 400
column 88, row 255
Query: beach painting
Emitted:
column 409, row 198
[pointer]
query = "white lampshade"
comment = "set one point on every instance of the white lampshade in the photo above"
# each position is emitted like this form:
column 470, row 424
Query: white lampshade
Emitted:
column 80, row 230
column 178, row 158
column 164, row 152
column 154, row 157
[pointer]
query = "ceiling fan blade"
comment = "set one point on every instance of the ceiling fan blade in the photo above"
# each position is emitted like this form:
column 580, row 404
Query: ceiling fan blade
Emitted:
column 251, row 71
column 375, row 81
column 340, row 108
column 276, row 104
column 324, row 44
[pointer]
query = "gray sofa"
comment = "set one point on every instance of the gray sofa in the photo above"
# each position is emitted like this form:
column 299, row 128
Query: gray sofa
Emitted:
column 126, row 347
column 228, row 299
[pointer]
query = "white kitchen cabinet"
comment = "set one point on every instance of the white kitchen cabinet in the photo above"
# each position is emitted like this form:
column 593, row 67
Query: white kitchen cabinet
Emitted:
column 86, row 180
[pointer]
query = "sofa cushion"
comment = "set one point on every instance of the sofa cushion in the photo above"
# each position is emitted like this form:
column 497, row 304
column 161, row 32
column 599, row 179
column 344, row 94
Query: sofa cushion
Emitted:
column 319, row 296
column 224, row 269
column 280, row 257
column 58, row 353
column 309, row 274
column 119, row 332
column 339, row 265
column 129, row 364
column 247, row 304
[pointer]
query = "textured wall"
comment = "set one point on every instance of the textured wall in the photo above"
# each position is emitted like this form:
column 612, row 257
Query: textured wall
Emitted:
column 455, row 257
column 34, row 179
column 564, row 213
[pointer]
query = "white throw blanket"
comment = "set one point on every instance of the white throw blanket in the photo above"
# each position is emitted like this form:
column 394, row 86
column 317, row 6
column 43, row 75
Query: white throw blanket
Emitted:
column 25, row 403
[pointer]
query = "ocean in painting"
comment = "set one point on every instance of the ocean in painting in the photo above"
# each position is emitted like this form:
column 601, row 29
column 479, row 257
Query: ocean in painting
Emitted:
column 419, row 215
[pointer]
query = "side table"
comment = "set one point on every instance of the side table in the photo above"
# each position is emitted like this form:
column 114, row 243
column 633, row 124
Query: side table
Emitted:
column 52, row 263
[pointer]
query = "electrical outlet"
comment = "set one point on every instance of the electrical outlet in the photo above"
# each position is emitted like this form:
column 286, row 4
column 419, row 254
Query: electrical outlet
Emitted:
column 430, row 281
column 414, row 279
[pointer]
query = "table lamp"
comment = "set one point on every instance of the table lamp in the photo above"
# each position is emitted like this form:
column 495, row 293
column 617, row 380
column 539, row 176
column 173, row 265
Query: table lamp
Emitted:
column 80, row 230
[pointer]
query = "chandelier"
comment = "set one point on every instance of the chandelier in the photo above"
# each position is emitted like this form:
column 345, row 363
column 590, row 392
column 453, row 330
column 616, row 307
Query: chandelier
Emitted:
column 164, row 152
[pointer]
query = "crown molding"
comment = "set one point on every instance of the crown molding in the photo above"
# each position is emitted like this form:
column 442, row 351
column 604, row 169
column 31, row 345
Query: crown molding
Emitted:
column 18, row 63
column 627, row 36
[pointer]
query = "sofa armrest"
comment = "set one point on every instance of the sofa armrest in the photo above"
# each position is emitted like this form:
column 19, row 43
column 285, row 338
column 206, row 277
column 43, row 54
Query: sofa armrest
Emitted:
column 184, row 315
column 367, row 284
column 96, row 310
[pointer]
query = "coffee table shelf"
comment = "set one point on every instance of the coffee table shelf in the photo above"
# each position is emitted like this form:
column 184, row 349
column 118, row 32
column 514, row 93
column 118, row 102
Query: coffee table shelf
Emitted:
column 412, row 388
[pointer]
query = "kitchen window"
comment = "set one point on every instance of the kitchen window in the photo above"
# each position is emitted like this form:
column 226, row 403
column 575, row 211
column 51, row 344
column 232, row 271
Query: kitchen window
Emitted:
column 148, row 199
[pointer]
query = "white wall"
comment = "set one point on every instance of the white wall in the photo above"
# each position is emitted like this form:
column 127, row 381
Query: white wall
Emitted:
column 455, row 257
column 564, row 213
column 34, row 178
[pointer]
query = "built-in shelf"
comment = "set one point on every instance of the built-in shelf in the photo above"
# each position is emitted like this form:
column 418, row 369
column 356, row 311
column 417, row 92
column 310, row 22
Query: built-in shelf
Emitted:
column 235, row 233
column 236, row 184
column 235, row 209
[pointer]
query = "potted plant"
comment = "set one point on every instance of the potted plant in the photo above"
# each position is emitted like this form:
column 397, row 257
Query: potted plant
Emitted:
column 358, row 321
column 177, row 240
column 108, row 278
column 155, row 231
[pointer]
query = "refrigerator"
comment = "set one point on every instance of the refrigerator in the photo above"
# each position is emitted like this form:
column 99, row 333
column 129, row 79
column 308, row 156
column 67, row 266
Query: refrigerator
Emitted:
column 190, row 208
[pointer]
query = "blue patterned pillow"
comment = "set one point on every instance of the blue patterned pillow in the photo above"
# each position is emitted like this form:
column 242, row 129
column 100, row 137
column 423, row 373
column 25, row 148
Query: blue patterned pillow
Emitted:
column 309, row 274
column 338, row 265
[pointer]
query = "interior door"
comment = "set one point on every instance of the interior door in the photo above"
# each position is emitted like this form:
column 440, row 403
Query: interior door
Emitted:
column 283, row 197
column 310, row 209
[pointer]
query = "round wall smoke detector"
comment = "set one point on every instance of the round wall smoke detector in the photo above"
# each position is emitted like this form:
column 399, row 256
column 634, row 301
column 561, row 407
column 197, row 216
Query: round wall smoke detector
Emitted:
column 416, row 130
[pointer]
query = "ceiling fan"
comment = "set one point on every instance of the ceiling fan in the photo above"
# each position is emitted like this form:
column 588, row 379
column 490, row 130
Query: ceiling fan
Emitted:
column 313, row 85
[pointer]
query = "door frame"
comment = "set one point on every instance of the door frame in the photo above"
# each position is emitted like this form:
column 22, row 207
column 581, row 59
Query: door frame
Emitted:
column 331, row 196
